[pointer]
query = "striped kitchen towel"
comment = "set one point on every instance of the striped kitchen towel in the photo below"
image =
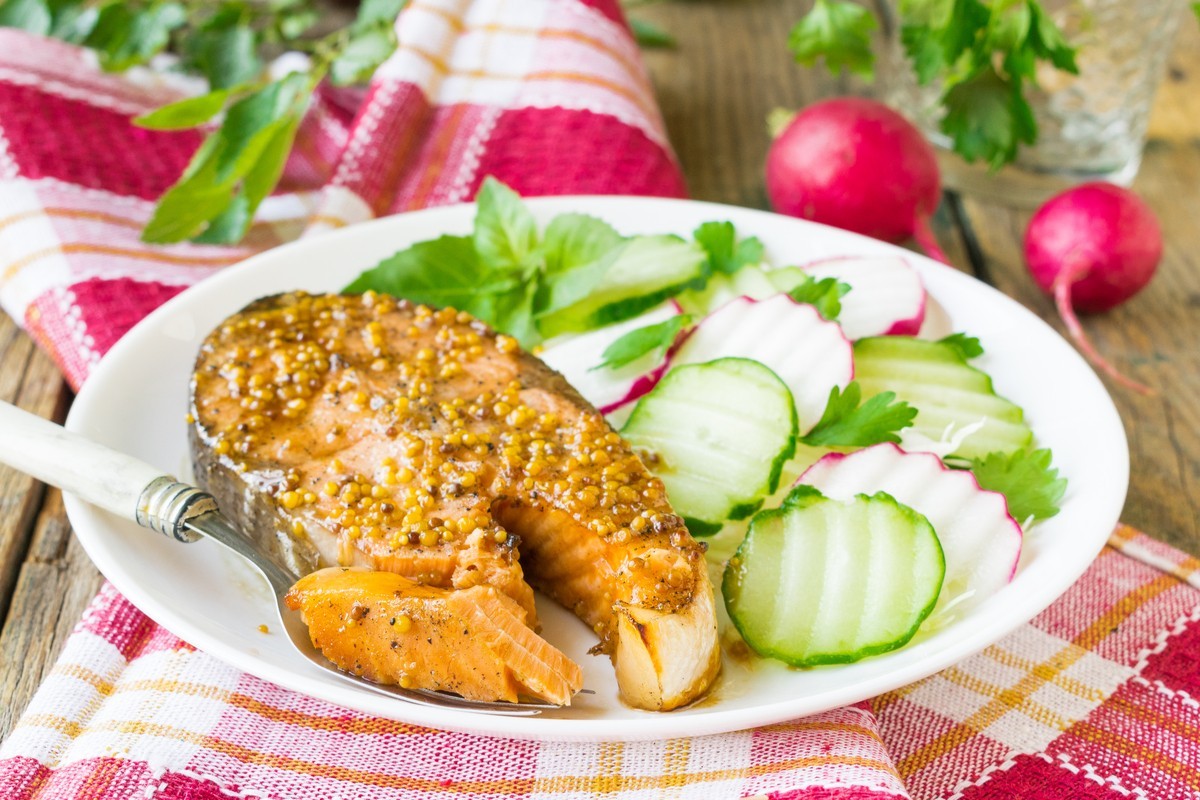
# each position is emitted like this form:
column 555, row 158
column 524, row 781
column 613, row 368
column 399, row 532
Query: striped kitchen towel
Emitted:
column 549, row 96
column 1095, row 698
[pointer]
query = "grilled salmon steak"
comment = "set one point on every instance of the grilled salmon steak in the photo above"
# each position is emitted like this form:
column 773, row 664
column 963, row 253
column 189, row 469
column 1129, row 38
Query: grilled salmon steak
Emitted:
column 368, row 431
column 390, row 629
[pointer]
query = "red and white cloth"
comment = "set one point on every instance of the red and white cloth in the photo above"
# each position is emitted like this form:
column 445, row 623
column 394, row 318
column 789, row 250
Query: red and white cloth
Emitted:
column 1095, row 698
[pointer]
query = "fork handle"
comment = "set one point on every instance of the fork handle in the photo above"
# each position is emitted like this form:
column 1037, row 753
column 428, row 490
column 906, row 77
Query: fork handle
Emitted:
column 116, row 482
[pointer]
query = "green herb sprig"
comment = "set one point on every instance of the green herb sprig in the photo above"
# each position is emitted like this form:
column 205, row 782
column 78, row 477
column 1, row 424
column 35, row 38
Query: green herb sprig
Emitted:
column 242, row 157
column 983, row 53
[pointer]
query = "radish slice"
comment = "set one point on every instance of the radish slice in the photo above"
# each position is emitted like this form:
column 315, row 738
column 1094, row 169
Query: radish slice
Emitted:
column 981, row 540
column 886, row 295
column 608, row 389
column 809, row 353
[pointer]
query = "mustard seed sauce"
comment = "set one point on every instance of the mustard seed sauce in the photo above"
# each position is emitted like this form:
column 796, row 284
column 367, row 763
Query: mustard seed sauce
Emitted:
column 415, row 440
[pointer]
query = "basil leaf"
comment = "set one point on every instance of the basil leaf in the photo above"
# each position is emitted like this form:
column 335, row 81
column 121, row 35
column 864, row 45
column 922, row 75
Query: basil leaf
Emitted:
column 357, row 62
column 576, row 251
column 185, row 113
column 649, row 35
column 28, row 15
column 251, row 145
column 725, row 253
column 440, row 272
column 73, row 20
column 505, row 232
column 574, row 240
column 226, row 56
column 639, row 342
column 246, row 129
column 125, row 36
column 372, row 13
column 512, row 313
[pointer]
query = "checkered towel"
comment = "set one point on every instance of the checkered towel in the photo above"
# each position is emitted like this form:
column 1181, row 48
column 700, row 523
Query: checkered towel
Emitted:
column 1094, row 698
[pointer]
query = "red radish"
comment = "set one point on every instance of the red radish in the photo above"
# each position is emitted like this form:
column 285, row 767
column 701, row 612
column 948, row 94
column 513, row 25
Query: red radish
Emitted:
column 981, row 540
column 1092, row 248
column 808, row 353
column 856, row 164
column 886, row 295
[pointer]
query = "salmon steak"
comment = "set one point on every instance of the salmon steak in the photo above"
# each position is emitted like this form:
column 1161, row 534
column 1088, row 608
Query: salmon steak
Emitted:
column 389, row 629
column 366, row 431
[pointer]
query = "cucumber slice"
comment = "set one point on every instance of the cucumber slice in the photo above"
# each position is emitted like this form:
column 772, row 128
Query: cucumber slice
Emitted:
column 982, row 542
column 749, row 282
column 717, row 435
column 785, row 279
column 648, row 270
column 819, row 581
column 946, row 391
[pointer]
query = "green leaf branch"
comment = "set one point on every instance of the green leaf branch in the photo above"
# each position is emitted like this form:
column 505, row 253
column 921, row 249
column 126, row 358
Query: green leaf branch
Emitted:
column 253, row 117
column 983, row 54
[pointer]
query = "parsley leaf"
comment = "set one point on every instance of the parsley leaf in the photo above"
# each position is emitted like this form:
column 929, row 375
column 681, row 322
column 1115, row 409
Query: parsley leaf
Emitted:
column 840, row 32
column 988, row 117
column 825, row 294
column 845, row 423
column 641, row 341
column 725, row 253
column 1026, row 479
column 967, row 347
column 1047, row 41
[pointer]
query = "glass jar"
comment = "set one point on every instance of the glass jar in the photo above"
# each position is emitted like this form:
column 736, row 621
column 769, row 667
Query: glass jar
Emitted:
column 1091, row 126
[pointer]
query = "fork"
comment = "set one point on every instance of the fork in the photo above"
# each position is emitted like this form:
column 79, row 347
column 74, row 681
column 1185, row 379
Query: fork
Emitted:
column 137, row 491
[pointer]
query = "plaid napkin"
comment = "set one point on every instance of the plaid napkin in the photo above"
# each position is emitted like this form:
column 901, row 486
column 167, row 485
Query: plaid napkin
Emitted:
column 1094, row 698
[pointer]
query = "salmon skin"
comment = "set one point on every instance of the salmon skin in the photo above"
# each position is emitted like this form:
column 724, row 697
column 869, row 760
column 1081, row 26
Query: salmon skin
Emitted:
column 389, row 629
column 368, row 431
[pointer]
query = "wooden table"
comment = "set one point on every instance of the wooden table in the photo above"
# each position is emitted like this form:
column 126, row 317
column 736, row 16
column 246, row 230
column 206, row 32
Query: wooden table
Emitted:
column 731, row 68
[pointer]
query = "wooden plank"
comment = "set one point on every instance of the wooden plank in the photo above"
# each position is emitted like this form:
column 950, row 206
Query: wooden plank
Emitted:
column 1154, row 336
column 30, row 380
column 55, row 584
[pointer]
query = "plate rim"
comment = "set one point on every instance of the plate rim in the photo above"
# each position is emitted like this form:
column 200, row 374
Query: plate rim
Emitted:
column 654, row 725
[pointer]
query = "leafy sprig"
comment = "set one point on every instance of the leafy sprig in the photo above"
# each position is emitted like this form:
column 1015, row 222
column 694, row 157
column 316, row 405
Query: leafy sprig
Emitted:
column 1026, row 479
column 255, row 115
column 639, row 342
column 967, row 347
column 983, row 53
column 849, row 422
column 510, row 275
column 825, row 295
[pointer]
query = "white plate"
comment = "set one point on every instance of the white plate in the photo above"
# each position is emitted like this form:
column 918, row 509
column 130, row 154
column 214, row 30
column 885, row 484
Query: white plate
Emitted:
column 136, row 401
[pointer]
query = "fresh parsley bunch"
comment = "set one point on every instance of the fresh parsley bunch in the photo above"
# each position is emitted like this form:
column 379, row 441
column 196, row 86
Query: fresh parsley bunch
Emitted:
column 227, row 43
column 982, row 53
